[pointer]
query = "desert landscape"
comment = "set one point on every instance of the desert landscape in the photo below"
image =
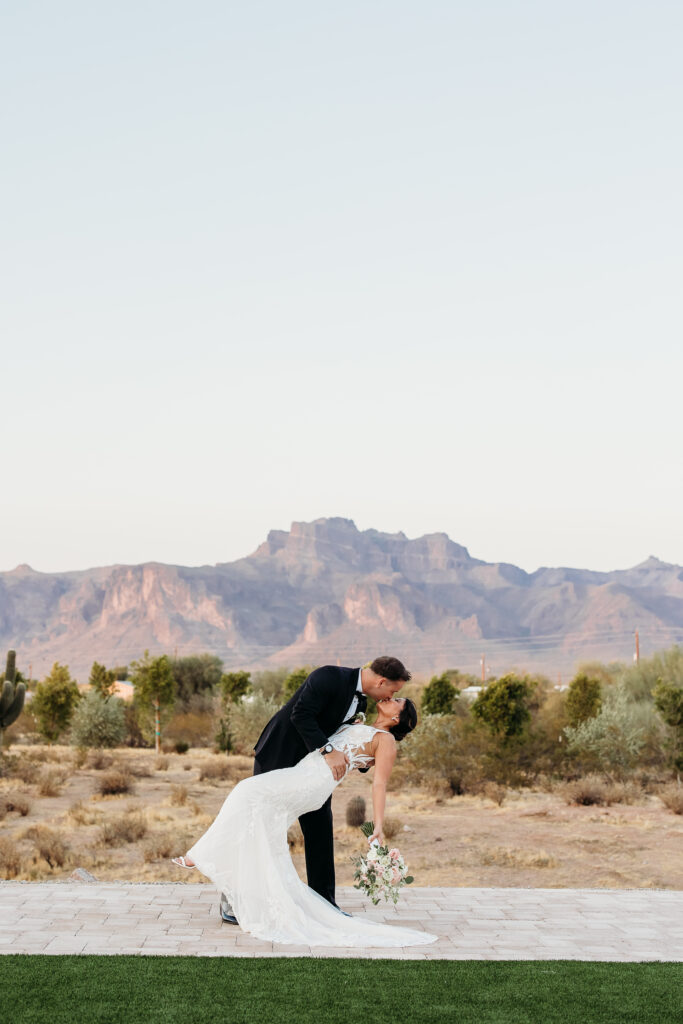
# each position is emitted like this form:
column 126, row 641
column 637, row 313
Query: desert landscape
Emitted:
column 123, row 813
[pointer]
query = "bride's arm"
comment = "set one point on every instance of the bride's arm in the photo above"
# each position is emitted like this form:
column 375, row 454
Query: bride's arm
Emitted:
column 385, row 755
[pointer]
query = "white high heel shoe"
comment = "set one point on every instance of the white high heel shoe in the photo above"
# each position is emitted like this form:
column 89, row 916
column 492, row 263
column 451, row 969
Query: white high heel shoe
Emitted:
column 180, row 861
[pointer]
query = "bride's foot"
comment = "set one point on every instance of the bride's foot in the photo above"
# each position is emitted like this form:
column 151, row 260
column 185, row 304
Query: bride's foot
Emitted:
column 183, row 862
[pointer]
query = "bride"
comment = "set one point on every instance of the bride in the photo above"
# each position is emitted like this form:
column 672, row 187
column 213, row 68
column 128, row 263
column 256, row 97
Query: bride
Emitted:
column 245, row 852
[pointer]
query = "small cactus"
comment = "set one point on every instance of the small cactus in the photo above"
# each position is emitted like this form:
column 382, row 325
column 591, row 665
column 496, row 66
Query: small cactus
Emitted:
column 355, row 812
column 12, row 696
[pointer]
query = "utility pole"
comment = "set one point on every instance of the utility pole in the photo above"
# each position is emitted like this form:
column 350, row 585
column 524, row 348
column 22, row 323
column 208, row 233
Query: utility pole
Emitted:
column 636, row 656
column 483, row 669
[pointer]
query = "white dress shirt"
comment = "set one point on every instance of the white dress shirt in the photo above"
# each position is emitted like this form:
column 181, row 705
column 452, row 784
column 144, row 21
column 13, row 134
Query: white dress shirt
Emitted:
column 354, row 703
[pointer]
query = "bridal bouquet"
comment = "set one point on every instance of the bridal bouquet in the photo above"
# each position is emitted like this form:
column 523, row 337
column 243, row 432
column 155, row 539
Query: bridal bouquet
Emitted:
column 381, row 872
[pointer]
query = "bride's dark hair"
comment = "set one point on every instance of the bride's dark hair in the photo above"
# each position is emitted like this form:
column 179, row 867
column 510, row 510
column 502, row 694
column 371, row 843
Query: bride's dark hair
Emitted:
column 407, row 720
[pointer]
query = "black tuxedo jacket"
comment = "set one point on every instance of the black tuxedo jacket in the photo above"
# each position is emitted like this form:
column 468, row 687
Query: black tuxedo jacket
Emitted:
column 316, row 710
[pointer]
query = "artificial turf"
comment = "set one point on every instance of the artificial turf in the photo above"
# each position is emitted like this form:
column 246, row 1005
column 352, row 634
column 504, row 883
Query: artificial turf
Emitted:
column 204, row 990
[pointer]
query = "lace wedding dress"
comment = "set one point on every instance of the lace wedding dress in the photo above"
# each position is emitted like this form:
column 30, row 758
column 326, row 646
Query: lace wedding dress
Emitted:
column 246, row 856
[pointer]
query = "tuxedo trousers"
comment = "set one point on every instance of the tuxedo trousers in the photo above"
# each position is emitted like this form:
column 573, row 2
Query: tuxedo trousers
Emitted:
column 318, row 845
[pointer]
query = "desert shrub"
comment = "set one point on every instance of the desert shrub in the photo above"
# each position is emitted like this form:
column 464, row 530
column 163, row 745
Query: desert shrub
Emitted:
column 124, row 828
column 81, row 814
column 16, row 802
column 50, row 781
column 216, row 770
column 392, row 826
column 270, row 682
column 188, row 767
column 113, row 781
column 48, row 844
column 163, row 845
column 98, row 722
column 355, row 812
column 26, row 768
column 10, row 858
column 138, row 769
column 191, row 728
column 614, row 737
column 99, row 760
column 508, row 857
column 672, row 797
column 161, row 764
column 494, row 791
column 179, row 795
column 182, row 747
column 295, row 837
column 444, row 751
column 248, row 719
column 593, row 789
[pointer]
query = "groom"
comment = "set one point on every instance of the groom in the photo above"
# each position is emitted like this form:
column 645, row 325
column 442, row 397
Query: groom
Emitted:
column 329, row 697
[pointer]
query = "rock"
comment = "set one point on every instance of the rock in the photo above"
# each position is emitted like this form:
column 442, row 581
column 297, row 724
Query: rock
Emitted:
column 81, row 875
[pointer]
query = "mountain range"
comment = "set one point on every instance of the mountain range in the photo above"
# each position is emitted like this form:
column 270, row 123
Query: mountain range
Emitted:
column 326, row 592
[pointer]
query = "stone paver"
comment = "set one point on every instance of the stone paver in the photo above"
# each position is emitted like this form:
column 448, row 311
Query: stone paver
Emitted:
column 472, row 924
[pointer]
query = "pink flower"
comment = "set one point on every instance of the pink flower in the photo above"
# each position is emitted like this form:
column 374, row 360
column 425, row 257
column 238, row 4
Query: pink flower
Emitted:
column 395, row 875
column 394, row 854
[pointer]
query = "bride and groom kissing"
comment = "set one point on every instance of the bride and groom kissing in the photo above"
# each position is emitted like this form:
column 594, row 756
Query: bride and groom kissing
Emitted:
column 302, row 755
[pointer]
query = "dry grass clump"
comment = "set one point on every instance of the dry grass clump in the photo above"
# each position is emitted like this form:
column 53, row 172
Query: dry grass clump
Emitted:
column 672, row 797
column 16, row 802
column 295, row 837
column 48, row 844
column 508, row 857
column 116, row 780
column 10, row 858
column 99, row 760
column 82, row 814
column 25, row 768
column 216, row 770
column 124, row 828
column 494, row 791
column 593, row 789
column 161, row 764
column 392, row 826
column 159, row 847
column 50, row 781
column 179, row 795
column 138, row 769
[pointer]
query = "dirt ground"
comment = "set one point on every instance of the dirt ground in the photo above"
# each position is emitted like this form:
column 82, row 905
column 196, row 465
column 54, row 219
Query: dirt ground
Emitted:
column 534, row 839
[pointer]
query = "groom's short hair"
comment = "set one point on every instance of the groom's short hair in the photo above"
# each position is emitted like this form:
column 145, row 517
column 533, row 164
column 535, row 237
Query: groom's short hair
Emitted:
column 390, row 668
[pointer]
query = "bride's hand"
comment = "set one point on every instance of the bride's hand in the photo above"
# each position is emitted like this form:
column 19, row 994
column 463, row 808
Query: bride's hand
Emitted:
column 378, row 835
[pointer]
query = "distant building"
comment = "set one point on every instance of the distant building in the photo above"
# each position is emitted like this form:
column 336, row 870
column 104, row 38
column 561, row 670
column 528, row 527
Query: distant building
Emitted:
column 471, row 692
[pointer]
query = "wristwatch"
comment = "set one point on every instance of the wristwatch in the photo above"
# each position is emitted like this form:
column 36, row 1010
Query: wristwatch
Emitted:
column 327, row 749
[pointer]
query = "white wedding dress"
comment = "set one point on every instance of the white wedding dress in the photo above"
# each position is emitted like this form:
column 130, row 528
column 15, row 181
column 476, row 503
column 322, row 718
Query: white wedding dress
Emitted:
column 246, row 856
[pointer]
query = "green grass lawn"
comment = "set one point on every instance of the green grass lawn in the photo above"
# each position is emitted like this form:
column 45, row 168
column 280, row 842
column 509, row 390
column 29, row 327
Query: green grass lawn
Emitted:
column 203, row 990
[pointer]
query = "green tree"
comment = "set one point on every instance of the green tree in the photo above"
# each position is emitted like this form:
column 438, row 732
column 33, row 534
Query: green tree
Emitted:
column 270, row 681
column 198, row 675
column 294, row 680
column 234, row 686
column 504, row 706
column 98, row 721
column 154, row 688
column 439, row 696
column 668, row 699
column 102, row 680
column 54, row 702
column 583, row 699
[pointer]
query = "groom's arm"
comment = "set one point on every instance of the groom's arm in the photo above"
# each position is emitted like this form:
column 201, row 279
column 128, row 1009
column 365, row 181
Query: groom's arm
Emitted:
column 315, row 694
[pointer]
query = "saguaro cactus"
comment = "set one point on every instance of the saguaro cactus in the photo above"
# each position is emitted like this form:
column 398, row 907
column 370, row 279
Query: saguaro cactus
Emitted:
column 12, row 696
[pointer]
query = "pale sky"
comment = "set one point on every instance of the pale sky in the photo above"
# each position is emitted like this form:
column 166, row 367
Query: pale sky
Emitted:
column 418, row 265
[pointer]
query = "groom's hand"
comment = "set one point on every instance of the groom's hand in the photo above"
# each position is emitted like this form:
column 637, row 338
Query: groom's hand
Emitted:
column 336, row 762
